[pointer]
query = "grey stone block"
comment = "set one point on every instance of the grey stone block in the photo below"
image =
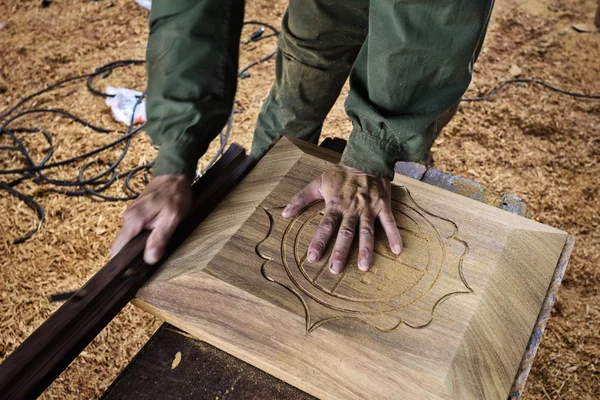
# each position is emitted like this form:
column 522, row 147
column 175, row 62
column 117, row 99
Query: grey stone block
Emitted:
column 514, row 204
column 411, row 169
column 456, row 184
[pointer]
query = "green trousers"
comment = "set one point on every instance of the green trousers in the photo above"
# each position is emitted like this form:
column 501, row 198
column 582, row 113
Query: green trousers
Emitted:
column 409, row 63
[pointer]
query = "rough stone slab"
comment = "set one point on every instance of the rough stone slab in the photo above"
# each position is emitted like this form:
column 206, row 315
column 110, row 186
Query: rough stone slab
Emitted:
column 411, row 169
column 514, row 204
column 456, row 184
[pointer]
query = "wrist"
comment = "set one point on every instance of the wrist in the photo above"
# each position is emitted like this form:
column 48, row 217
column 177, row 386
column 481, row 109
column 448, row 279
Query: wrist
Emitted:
column 370, row 155
column 173, row 159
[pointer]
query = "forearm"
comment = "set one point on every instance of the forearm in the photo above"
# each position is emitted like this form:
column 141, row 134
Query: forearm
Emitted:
column 414, row 67
column 192, row 62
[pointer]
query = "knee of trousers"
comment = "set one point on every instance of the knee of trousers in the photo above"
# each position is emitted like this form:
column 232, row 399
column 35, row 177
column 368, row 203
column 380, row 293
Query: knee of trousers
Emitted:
column 328, row 53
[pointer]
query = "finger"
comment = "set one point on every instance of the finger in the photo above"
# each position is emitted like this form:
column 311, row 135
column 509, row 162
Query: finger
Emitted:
column 302, row 199
column 388, row 222
column 143, row 206
column 343, row 244
column 132, row 226
column 163, row 228
column 322, row 235
column 366, row 241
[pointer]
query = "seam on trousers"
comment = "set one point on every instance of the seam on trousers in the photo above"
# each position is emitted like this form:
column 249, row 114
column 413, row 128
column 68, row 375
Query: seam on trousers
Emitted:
column 302, row 63
column 384, row 143
column 378, row 135
column 479, row 45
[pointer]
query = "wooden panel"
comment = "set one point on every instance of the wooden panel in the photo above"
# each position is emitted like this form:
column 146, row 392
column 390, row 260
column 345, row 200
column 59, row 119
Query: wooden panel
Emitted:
column 449, row 318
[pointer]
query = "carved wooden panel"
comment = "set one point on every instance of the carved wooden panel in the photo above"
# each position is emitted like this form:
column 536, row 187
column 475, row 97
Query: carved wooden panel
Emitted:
column 448, row 318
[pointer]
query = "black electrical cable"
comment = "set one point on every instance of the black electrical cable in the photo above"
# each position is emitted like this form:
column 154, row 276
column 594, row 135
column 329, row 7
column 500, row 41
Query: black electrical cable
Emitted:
column 33, row 204
column 530, row 80
column 98, row 71
column 243, row 74
column 112, row 167
column 255, row 37
column 102, row 181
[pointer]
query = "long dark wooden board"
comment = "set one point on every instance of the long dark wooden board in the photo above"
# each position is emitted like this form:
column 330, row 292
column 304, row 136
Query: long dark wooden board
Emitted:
column 30, row 369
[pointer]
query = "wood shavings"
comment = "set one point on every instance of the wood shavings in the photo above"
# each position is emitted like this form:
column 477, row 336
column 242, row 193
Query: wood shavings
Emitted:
column 176, row 360
column 539, row 145
column 515, row 70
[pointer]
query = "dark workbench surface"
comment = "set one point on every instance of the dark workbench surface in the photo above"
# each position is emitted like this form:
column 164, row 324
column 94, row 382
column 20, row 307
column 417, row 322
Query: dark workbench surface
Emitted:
column 202, row 372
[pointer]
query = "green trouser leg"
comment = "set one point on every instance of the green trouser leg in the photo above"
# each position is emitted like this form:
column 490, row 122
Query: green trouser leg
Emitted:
column 319, row 42
column 406, row 81
column 192, row 62
column 412, row 70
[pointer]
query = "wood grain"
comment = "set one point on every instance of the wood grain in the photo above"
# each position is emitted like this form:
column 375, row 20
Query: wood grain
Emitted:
column 450, row 318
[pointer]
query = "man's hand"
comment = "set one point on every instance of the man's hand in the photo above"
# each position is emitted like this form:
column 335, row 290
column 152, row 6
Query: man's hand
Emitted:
column 352, row 199
column 160, row 208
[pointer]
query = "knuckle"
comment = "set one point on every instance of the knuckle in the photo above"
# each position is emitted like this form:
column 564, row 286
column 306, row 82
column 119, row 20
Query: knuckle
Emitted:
column 130, row 211
column 335, row 200
column 390, row 220
column 172, row 210
column 318, row 245
column 327, row 225
column 131, row 215
column 365, row 253
column 366, row 231
column 159, row 235
column 176, row 198
column 179, row 199
column 339, row 254
column 346, row 232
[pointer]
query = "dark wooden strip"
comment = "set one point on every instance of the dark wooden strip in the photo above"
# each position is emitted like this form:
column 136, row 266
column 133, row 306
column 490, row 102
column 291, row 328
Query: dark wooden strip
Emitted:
column 335, row 144
column 50, row 349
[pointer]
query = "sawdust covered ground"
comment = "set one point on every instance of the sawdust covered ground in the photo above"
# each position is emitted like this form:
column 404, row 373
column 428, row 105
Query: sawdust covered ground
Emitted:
column 540, row 145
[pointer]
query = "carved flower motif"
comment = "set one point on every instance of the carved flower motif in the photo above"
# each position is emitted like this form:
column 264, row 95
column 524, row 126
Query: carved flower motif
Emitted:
column 397, row 290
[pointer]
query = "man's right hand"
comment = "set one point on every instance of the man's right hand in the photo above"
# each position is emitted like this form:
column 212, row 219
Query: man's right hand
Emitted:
column 160, row 208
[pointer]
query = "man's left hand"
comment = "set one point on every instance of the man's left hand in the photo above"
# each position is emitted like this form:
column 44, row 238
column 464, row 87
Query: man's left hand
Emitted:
column 352, row 199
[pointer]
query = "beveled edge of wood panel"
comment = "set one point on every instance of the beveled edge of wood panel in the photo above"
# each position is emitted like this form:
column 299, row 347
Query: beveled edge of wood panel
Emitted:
column 283, row 154
column 220, row 331
column 502, row 217
column 316, row 151
column 540, row 325
column 480, row 359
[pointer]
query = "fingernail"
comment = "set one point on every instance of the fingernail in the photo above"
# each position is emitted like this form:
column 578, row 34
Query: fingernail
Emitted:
column 286, row 211
column 152, row 256
column 312, row 256
column 363, row 264
column 336, row 267
column 397, row 249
